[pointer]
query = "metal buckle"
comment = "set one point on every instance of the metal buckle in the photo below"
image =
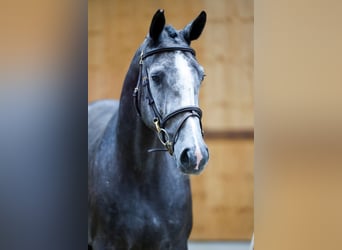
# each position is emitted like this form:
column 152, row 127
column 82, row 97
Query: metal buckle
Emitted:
column 141, row 57
column 163, row 136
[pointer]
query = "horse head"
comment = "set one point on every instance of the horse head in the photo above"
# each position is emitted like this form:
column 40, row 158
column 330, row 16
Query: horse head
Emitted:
column 167, row 92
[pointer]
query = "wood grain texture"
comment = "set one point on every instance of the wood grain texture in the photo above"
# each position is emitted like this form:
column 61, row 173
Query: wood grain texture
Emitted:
column 227, row 94
column 223, row 193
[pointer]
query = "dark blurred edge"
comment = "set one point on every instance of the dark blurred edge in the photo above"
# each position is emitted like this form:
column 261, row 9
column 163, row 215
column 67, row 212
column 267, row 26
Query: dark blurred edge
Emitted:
column 231, row 134
column 43, row 135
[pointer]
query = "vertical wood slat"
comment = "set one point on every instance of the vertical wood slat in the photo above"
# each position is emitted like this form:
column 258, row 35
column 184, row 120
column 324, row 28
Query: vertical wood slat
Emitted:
column 223, row 194
column 227, row 93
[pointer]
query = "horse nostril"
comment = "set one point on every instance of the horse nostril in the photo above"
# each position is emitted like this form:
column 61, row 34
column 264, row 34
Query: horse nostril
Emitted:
column 184, row 156
column 188, row 158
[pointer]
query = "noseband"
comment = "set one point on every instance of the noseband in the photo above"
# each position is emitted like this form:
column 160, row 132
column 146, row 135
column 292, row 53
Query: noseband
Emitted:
column 160, row 121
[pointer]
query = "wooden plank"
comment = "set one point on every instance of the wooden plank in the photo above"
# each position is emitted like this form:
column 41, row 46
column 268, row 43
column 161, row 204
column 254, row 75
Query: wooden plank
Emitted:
column 223, row 193
column 227, row 92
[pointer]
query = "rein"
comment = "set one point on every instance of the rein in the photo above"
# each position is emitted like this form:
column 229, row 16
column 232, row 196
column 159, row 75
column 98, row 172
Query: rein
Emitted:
column 159, row 121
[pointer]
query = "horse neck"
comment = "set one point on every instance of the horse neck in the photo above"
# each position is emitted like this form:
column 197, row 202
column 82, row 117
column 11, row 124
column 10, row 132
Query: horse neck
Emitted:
column 131, row 132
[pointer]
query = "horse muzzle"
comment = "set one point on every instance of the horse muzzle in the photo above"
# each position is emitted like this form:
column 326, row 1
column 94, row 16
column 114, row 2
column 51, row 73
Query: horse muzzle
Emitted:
column 191, row 152
column 193, row 160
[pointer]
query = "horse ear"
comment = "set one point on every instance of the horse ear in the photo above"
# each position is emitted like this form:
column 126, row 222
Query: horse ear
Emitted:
column 194, row 29
column 157, row 24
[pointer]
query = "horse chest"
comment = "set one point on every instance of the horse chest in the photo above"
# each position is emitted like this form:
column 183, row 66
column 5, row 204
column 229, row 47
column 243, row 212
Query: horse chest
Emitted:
column 153, row 217
column 154, row 213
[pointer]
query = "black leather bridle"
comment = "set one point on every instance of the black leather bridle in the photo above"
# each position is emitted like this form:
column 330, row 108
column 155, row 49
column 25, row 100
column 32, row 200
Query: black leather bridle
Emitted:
column 160, row 121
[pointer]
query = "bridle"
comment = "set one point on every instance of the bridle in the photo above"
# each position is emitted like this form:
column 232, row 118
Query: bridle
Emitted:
column 160, row 121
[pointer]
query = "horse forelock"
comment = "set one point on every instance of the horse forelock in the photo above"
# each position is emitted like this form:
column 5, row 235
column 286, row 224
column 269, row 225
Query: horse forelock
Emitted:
column 169, row 37
column 171, row 32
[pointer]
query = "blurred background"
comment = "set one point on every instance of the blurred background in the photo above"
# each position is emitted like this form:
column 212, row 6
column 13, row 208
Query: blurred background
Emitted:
column 223, row 193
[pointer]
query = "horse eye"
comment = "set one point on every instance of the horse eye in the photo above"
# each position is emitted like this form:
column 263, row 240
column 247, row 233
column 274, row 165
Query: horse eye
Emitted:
column 156, row 78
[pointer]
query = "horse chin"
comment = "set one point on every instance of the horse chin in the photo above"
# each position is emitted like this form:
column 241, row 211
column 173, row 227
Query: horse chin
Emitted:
column 191, row 170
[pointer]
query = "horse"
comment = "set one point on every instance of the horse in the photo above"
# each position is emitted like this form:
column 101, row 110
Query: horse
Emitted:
column 143, row 148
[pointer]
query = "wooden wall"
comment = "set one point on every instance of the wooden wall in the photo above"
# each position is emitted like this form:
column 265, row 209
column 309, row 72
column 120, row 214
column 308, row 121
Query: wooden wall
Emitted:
column 223, row 194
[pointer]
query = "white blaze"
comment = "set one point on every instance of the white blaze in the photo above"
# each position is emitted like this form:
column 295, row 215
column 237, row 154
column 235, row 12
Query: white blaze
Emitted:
column 187, row 83
column 185, row 80
column 198, row 153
